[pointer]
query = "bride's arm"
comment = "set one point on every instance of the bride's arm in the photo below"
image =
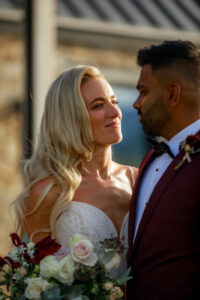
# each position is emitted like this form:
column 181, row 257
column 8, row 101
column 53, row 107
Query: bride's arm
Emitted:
column 37, row 219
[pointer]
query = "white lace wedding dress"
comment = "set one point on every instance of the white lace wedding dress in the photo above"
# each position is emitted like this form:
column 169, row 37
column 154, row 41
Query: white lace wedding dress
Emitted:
column 92, row 222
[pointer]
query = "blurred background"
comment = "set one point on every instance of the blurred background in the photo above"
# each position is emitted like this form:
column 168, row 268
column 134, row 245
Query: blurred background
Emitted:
column 41, row 38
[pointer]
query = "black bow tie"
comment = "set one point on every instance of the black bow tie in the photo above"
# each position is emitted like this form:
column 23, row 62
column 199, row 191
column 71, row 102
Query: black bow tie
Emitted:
column 160, row 147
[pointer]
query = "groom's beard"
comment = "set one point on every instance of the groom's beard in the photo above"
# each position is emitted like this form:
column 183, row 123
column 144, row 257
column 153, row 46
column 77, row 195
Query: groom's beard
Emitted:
column 155, row 118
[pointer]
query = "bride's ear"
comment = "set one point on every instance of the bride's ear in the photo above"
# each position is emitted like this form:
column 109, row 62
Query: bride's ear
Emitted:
column 173, row 94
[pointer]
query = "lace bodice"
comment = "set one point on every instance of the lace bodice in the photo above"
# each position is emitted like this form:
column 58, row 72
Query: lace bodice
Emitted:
column 95, row 224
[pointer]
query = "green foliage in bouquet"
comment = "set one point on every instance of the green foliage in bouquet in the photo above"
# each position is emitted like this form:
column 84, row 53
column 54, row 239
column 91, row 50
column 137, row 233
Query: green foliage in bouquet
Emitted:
column 45, row 271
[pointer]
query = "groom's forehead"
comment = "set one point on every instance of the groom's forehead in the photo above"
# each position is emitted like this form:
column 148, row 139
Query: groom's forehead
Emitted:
column 146, row 77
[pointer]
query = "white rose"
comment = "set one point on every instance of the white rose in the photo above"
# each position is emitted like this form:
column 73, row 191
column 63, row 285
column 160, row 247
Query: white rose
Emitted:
column 14, row 254
column 35, row 287
column 66, row 270
column 62, row 252
column 49, row 267
column 113, row 263
column 31, row 249
column 82, row 250
column 76, row 238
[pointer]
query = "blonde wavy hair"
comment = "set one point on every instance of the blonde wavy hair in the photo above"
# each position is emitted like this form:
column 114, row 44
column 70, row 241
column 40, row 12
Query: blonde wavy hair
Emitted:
column 65, row 142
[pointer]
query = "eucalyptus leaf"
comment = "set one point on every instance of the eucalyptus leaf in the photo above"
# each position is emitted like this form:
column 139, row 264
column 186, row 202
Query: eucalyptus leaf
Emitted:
column 73, row 291
column 124, row 277
column 51, row 294
column 25, row 238
column 4, row 282
column 102, row 297
column 108, row 256
column 22, row 297
column 14, row 291
column 82, row 297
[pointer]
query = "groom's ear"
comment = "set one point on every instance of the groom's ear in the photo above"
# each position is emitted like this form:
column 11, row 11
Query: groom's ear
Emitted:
column 173, row 94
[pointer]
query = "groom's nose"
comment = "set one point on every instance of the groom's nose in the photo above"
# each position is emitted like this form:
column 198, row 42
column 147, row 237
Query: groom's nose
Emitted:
column 136, row 104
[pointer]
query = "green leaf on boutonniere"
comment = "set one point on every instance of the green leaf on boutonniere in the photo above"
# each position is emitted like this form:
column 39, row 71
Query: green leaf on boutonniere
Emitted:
column 189, row 146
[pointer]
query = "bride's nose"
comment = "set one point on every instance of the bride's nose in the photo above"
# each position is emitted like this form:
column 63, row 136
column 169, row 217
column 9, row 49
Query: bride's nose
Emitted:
column 114, row 110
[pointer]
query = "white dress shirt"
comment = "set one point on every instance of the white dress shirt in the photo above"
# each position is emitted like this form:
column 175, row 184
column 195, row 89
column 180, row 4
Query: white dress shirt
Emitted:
column 156, row 169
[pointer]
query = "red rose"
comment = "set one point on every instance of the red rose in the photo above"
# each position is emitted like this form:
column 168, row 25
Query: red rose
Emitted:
column 16, row 240
column 13, row 263
column 47, row 246
column 2, row 262
column 193, row 141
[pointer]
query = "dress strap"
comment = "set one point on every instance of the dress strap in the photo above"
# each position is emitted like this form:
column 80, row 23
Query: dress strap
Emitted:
column 46, row 230
column 41, row 198
column 132, row 175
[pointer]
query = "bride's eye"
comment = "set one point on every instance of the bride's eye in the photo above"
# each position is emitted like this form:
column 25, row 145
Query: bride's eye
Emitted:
column 98, row 105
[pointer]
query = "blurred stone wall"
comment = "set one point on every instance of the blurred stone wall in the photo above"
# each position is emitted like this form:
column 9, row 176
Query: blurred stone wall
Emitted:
column 11, row 95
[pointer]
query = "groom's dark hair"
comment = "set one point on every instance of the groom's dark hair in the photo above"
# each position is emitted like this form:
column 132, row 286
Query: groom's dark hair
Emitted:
column 183, row 55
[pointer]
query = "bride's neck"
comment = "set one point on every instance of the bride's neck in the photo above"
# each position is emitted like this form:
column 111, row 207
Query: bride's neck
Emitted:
column 100, row 164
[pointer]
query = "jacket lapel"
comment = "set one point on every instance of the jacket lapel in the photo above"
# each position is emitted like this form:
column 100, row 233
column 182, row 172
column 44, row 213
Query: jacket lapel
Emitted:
column 155, row 197
column 149, row 157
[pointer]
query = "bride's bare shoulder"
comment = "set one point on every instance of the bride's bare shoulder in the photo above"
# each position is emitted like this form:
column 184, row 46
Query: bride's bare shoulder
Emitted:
column 46, row 191
column 125, row 168
column 130, row 171
column 134, row 169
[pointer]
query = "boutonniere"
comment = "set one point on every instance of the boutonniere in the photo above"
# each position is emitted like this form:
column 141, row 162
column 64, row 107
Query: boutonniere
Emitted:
column 189, row 146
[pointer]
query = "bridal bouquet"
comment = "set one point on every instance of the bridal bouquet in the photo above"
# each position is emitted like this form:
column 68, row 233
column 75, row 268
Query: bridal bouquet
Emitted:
column 46, row 271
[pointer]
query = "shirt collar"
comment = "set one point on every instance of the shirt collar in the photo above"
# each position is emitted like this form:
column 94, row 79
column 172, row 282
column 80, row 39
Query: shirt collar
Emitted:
column 174, row 142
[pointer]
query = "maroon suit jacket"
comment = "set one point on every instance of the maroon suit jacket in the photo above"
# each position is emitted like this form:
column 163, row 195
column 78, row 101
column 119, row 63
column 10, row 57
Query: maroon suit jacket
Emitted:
column 165, row 256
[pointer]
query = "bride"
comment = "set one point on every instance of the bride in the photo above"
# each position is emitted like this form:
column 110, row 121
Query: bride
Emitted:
column 72, row 183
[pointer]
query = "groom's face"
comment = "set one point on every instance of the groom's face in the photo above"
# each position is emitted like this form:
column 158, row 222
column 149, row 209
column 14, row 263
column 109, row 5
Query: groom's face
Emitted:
column 150, row 103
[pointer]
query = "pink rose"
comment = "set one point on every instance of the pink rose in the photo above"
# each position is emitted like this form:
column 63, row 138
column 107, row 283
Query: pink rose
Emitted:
column 116, row 293
column 82, row 250
column 62, row 252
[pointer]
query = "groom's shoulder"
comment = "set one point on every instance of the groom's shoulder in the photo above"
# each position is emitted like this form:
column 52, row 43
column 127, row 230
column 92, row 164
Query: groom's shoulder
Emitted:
column 188, row 174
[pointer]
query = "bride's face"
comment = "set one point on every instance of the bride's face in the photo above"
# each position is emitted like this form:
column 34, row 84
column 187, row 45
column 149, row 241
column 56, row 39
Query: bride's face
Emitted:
column 104, row 112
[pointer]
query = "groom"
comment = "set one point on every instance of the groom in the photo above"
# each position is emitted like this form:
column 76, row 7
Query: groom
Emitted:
column 164, row 225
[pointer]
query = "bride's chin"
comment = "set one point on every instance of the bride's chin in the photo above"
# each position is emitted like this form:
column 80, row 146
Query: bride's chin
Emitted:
column 109, row 141
column 117, row 140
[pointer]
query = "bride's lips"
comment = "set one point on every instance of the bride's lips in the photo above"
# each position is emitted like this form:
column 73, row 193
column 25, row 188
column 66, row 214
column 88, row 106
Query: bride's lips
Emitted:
column 113, row 125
